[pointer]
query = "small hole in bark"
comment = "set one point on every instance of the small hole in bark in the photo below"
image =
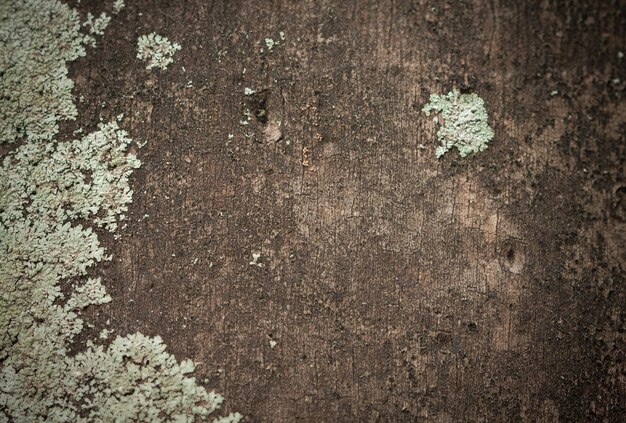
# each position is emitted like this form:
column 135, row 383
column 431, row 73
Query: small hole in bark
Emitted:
column 512, row 256
column 257, row 103
column 260, row 112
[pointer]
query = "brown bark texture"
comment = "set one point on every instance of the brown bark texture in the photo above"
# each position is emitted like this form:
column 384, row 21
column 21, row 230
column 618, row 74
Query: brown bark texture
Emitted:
column 391, row 286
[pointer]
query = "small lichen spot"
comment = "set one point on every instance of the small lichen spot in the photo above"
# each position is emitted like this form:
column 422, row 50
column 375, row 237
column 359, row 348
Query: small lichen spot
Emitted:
column 156, row 50
column 464, row 122
column 97, row 25
column 118, row 6
column 269, row 43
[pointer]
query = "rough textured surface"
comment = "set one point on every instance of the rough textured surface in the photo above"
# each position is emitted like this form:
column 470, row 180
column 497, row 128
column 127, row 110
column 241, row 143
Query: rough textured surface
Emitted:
column 46, row 188
column 398, row 287
column 53, row 194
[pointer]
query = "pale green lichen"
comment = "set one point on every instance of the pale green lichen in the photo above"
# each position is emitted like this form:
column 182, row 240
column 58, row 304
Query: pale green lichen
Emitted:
column 34, row 257
column 156, row 50
column 43, row 187
column 125, row 381
column 70, row 179
column 270, row 43
column 464, row 123
column 231, row 418
column 37, row 38
column 118, row 5
column 97, row 25
column 46, row 188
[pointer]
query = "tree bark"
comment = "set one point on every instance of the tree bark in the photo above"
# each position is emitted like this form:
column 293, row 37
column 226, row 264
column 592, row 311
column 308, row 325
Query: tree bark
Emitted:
column 390, row 285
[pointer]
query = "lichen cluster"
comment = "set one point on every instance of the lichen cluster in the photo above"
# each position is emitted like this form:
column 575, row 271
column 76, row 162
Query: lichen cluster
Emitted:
column 156, row 50
column 37, row 38
column 118, row 5
column 97, row 25
column 53, row 194
column 44, row 187
column 463, row 122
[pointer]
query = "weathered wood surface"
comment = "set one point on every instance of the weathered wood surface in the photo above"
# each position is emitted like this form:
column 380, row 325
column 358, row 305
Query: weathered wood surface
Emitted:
column 396, row 286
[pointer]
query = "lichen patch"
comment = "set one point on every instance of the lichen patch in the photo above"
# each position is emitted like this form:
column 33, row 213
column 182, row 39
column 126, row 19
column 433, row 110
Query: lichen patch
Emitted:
column 156, row 50
column 463, row 122
column 53, row 194
column 35, row 91
column 118, row 5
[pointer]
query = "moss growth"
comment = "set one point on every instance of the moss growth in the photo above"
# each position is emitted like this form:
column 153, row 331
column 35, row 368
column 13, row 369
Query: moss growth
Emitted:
column 45, row 188
column 464, row 123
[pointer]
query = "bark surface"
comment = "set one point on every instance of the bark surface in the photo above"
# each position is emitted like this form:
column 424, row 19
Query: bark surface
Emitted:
column 391, row 286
